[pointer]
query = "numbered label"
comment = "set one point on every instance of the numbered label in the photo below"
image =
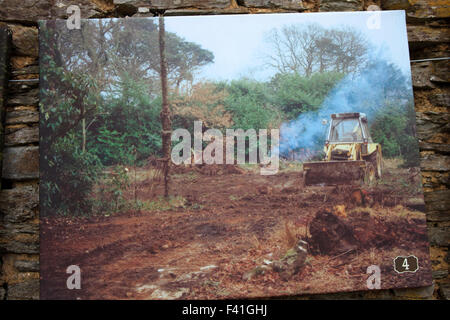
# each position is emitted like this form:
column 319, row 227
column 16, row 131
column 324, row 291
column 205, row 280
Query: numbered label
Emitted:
column 406, row 264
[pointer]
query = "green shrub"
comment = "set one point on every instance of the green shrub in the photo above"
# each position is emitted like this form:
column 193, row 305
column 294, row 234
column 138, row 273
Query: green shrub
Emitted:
column 67, row 178
column 110, row 194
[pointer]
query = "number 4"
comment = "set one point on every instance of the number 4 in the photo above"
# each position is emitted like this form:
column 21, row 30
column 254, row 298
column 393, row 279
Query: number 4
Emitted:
column 405, row 264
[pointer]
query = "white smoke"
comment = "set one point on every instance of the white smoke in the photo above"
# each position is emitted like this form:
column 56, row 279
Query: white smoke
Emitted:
column 368, row 92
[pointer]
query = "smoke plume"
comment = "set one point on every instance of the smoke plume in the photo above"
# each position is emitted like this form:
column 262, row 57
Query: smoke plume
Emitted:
column 379, row 85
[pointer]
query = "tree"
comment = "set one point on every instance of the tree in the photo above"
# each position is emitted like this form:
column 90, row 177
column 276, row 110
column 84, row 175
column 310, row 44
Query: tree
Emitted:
column 306, row 49
column 204, row 102
column 129, row 117
column 294, row 48
column 295, row 94
column 249, row 103
column 394, row 129
column 348, row 48
column 184, row 59
column 104, row 88
column 68, row 173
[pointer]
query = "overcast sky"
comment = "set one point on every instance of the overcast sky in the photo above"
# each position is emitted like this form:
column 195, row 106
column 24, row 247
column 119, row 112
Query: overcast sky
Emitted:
column 238, row 44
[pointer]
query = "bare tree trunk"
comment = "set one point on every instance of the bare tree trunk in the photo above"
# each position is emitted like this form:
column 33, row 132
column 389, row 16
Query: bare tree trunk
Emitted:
column 165, row 111
column 83, row 129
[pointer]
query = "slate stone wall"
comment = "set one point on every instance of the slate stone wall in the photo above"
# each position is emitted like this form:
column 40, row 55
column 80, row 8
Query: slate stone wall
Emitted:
column 429, row 36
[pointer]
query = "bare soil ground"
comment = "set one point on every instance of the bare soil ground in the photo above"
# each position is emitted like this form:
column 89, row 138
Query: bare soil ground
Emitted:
column 229, row 224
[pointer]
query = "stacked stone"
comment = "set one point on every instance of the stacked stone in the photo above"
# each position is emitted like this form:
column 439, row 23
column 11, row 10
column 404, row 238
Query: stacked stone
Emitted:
column 19, row 216
column 429, row 37
column 428, row 33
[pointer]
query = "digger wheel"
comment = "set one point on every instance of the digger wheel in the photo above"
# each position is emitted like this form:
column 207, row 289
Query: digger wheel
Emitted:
column 370, row 174
column 375, row 160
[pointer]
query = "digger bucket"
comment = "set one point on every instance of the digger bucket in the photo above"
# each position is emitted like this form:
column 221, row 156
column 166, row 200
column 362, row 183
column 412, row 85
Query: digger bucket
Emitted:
column 350, row 172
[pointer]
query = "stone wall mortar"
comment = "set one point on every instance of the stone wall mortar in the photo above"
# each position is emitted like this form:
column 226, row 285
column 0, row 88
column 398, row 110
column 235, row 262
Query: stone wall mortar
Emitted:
column 428, row 25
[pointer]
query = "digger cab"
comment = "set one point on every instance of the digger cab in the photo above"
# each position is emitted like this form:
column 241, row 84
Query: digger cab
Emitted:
column 348, row 128
column 348, row 137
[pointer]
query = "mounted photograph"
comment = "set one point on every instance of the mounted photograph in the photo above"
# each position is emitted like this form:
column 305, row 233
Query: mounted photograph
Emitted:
column 229, row 156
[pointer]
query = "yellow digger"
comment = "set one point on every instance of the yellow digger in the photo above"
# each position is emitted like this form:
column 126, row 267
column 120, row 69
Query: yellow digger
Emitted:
column 351, row 157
